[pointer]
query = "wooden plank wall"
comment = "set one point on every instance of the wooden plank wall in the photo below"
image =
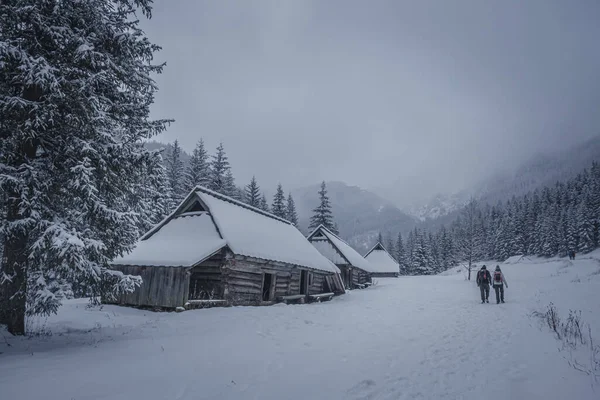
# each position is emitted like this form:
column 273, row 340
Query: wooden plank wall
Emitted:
column 161, row 286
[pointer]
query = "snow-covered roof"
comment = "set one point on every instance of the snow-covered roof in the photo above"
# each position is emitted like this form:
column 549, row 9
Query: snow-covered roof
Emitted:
column 347, row 252
column 185, row 240
column 381, row 260
column 246, row 230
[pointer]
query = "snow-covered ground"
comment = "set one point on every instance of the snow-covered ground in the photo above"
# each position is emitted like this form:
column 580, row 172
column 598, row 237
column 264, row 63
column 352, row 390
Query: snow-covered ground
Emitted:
column 406, row 338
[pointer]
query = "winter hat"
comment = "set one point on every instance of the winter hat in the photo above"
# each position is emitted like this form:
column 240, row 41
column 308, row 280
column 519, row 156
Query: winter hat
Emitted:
column 497, row 268
column 483, row 267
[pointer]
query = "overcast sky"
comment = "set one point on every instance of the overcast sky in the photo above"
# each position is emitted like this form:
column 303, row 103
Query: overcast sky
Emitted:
column 425, row 96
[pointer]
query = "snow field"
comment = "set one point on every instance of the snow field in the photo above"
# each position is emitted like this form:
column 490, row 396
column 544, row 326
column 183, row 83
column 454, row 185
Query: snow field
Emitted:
column 406, row 338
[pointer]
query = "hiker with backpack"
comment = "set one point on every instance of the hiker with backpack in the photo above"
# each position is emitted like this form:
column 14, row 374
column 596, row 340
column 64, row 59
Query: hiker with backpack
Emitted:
column 484, row 281
column 499, row 283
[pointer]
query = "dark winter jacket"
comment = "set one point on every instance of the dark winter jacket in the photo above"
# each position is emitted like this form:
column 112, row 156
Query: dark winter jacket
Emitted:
column 484, row 277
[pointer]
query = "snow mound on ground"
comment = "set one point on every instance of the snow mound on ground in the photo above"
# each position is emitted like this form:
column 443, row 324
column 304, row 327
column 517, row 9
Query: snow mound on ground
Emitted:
column 514, row 259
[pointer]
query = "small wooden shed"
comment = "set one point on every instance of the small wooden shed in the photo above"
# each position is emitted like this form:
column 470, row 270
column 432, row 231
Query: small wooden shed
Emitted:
column 384, row 265
column 214, row 249
column 355, row 270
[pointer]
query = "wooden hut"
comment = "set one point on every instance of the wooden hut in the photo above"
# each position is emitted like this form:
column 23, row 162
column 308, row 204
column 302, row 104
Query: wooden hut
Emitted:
column 355, row 270
column 384, row 265
column 214, row 249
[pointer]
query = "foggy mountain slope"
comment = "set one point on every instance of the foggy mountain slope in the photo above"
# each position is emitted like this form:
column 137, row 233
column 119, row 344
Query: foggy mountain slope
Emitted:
column 360, row 214
column 541, row 170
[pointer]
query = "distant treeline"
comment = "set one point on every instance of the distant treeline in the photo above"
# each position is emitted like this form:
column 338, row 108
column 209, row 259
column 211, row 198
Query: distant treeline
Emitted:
column 547, row 222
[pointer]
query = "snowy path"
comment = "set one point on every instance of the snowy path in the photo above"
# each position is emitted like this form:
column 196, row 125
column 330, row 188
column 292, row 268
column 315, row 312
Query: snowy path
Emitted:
column 407, row 338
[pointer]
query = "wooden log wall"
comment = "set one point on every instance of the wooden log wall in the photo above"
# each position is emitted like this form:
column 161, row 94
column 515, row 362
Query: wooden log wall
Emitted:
column 206, row 279
column 384, row 275
column 355, row 277
column 318, row 283
column 161, row 286
column 243, row 278
column 236, row 279
column 363, row 276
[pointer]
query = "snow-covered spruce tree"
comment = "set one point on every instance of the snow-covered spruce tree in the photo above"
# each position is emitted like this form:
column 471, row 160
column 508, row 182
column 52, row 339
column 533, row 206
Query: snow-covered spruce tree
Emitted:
column 434, row 253
column 572, row 231
column 420, row 263
column 292, row 215
column 175, row 173
column 252, row 193
column 75, row 96
column 390, row 246
column 410, row 248
column 322, row 215
column 198, row 170
column 230, row 189
column 562, row 235
column 401, row 254
column 278, row 206
column 585, row 224
column 151, row 196
column 219, row 167
column 263, row 205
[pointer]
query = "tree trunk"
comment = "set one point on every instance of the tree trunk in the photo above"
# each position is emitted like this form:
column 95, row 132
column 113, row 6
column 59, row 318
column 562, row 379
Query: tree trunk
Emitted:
column 13, row 266
column 13, row 277
column 469, row 270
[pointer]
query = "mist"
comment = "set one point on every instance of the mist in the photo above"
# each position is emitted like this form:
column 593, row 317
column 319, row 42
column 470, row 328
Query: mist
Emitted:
column 408, row 98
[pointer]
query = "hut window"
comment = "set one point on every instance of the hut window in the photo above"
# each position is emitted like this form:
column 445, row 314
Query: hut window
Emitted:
column 310, row 279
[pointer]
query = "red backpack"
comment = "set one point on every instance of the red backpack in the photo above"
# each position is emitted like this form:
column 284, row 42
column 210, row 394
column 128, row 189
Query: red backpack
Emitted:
column 498, row 276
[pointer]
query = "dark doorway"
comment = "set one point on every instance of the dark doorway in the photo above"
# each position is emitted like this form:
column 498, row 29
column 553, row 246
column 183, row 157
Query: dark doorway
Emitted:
column 303, row 282
column 327, row 285
column 267, row 284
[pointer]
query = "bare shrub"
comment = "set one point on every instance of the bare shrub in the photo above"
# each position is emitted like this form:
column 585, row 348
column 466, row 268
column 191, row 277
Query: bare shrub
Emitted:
column 553, row 319
column 571, row 329
column 570, row 333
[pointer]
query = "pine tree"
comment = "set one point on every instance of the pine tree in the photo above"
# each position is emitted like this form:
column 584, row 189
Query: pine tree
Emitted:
column 219, row 169
column 151, row 197
column 421, row 262
column 292, row 215
column 252, row 192
column 74, row 112
column 586, row 228
column 572, row 232
column 263, row 205
column 445, row 249
column 229, row 188
column 401, row 254
column 278, row 208
column 562, row 235
column 198, row 170
column 390, row 246
column 433, row 253
column 409, row 253
column 175, row 174
column 322, row 214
